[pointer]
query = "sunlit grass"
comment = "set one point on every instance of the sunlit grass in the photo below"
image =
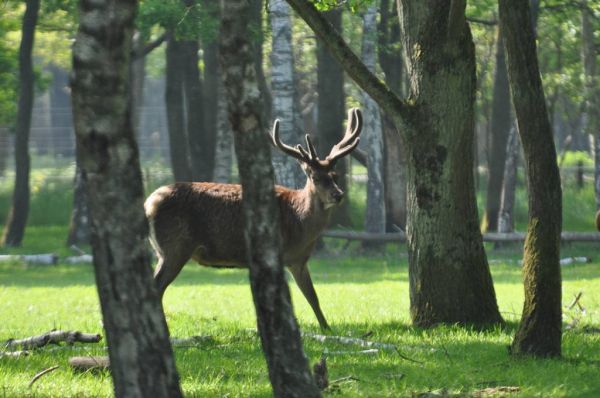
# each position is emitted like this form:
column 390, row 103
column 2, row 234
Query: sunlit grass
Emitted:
column 359, row 295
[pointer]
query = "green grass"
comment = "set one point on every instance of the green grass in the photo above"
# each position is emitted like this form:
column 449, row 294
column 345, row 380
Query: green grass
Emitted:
column 359, row 294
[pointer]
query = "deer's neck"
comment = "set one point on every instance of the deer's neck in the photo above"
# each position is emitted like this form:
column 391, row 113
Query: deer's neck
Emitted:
column 311, row 208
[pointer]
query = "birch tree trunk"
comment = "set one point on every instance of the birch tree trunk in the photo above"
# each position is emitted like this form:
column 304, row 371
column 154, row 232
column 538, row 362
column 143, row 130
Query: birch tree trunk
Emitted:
column 591, row 112
column 506, row 218
column 501, row 121
column 79, row 227
column 17, row 218
column 375, row 214
column 277, row 326
column 539, row 332
column 224, row 145
column 284, row 108
column 331, row 113
column 141, row 358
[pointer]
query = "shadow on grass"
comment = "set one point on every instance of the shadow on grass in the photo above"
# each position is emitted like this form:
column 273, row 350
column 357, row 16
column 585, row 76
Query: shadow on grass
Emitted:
column 323, row 270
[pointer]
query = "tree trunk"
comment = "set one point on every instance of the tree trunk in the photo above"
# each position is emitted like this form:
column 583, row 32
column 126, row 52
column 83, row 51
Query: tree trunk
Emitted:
column 138, row 74
column 140, row 354
column 201, row 142
column 4, row 141
column 506, row 219
column 287, row 171
column 375, row 214
column 79, row 227
column 211, row 101
column 450, row 281
column 174, row 99
column 331, row 112
column 224, row 145
column 501, row 123
column 280, row 336
column 391, row 62
column 17, row 218
column 591, row 112
column 539, row 332
column 256, row 25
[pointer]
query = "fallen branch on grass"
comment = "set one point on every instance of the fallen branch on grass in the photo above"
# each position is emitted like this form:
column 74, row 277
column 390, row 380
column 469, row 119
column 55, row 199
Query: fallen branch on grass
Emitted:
column 53, row 337
column 42, row 259
column 350, row 341
column 84, row 364
column 40, row 374
column 13, row 354
column 191, row 341
column 575, row 260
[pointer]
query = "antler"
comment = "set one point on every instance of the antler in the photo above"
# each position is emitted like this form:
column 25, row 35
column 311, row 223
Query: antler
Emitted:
column 351, row 137
column 298, row 152
column 342, row 148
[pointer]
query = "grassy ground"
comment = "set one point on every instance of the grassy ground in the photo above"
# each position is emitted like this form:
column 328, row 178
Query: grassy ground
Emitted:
column 359, row 294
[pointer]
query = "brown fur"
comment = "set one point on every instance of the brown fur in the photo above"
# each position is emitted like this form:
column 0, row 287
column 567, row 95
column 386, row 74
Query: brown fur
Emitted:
column 203, row 220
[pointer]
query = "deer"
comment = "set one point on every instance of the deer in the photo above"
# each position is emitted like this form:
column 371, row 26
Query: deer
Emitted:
column 202, row 221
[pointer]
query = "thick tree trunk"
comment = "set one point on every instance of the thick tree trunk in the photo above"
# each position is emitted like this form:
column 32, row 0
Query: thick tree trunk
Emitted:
column 539, row 332
column 79, row 227
column 375, row 214
column 449, row 275
column 331, row 112
column 174, row 99
column 201, row 142
column 591, row 112
column 287, row 171
column 140, row 354
column 506, row 218
column 450, row 281
column 17, row 218
column 501, row 122
column 280, row 336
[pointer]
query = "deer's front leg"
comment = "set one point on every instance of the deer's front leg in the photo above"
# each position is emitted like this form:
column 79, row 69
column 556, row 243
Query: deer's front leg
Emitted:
column 304, row 282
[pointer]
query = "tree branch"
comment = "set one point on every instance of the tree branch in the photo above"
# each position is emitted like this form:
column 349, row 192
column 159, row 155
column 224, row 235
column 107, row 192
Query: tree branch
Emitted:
column 352, row 65
column 149, row 47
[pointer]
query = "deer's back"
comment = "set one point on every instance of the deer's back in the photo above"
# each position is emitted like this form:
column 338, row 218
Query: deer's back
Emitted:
column 205, row 220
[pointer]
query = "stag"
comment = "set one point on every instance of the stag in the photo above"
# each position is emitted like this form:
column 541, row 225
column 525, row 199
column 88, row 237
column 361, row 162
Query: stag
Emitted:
column 203, row 220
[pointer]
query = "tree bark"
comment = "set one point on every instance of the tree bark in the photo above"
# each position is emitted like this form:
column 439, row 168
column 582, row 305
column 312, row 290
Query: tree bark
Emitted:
column 201, row 142
column 375, row 213
column 591, row 112
column 501, row 122
column 450, row 281
column 79, row 227
column 211, row 101
column 17, row 217
column 137, row 72
column 174, row 99
column 3, row 150
column 280, row 337
column 539, row 332
column 506, row 219
column 224, row 144
column 392, row 63
column 141, row 357
column 331, row 112
column 256, row 25
column 284, row 108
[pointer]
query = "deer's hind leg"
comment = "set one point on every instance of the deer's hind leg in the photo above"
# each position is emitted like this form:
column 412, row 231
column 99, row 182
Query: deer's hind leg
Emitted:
column 303, row 280
column 170, row 264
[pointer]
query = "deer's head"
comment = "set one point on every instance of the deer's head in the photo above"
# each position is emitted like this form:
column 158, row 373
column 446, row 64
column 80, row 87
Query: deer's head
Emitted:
column 321, row 172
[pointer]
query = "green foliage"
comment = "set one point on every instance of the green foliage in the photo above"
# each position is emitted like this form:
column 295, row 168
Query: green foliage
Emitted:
column 359, row 295
column 573, row 158
column 8, row 74
column 187, row 22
